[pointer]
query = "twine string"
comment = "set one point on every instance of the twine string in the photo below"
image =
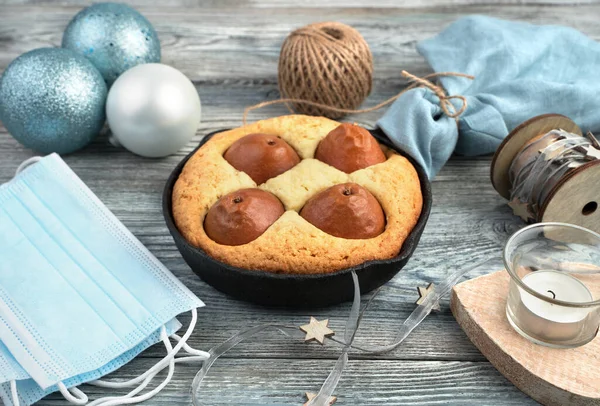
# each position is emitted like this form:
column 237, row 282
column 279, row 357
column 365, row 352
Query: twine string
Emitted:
column 328, row 63
column 445, row 101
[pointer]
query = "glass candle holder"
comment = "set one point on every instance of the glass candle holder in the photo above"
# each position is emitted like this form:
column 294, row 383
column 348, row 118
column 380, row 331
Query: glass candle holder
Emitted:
column 554, row 290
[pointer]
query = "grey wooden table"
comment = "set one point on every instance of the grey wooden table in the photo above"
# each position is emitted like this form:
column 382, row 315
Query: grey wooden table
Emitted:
column 230, row 49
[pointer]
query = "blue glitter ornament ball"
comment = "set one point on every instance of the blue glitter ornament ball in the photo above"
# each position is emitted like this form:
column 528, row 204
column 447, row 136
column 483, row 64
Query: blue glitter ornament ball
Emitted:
column 52, row 100
column 114, row 37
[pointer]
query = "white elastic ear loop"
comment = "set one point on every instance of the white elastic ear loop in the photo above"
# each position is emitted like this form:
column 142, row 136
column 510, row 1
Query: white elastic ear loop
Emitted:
column 191, row 350
column 27, row 163
column 158, row 366
column 73, row 395
column 128, row 399
column 14, row 394
column 169, row 360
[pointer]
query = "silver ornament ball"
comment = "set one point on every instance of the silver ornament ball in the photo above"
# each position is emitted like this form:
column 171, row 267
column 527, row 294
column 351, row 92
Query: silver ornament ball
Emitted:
column 114, row 37
column 52, row 100
column 153, row 110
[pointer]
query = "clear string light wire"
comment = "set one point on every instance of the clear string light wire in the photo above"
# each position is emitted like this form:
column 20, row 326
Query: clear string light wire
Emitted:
column 422, row 310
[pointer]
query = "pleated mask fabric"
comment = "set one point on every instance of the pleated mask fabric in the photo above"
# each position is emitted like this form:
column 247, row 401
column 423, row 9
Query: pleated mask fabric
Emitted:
column 78, row 292
column 10, row 370
column 30, row 392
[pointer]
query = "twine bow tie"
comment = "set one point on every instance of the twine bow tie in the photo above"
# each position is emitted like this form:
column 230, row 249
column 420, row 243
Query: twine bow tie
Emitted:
column 445, row 101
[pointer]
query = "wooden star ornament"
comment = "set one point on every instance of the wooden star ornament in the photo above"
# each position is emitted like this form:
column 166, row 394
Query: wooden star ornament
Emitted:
column 317, row 330
column 311, row 395
column 424, row 292
column 520, row 209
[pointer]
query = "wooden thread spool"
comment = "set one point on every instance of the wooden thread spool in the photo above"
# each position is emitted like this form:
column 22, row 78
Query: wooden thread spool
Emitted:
column 563, row 192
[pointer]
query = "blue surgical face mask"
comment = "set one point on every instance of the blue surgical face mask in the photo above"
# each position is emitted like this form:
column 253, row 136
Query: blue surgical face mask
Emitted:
column 10, row 370
column 29, row 392
column 77, row 289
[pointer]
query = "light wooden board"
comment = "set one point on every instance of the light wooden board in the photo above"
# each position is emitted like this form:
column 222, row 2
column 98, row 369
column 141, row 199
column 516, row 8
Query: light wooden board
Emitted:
column 555, row 377
column 230, row 50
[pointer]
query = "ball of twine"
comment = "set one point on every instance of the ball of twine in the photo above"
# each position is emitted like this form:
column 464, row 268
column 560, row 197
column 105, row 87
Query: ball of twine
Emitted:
column 327, row 63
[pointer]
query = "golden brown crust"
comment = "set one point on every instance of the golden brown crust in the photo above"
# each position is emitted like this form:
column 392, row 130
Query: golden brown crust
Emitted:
column 291, row 244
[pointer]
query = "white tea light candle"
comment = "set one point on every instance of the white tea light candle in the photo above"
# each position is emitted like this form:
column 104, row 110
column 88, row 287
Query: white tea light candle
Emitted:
column 554, row 292
column 548, row 321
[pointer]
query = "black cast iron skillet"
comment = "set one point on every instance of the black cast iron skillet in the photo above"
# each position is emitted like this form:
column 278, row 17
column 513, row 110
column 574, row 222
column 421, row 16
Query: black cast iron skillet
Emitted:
column 294, row 290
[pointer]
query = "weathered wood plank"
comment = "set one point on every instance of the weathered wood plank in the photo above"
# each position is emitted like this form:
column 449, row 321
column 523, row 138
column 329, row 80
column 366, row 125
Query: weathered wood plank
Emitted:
column 242, row 45
column 283, row 382
column 306, row 3
column 467, row 214
column 465, row 206
column 230, row 50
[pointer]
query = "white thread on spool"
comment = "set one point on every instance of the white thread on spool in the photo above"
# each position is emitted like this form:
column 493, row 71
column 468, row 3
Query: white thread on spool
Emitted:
column 548, row 169
column 554, row 155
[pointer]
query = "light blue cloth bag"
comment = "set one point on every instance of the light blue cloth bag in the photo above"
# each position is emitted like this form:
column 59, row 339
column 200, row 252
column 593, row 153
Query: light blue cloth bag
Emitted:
column 79, row 295
column 521, row 70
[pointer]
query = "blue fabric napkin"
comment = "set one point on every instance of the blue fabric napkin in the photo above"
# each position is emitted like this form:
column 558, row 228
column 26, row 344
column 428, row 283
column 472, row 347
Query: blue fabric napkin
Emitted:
column 521, row 71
